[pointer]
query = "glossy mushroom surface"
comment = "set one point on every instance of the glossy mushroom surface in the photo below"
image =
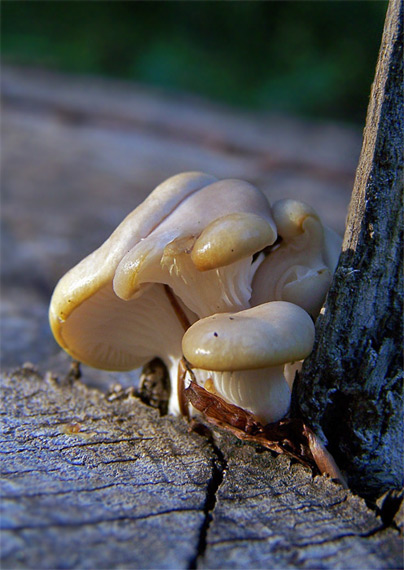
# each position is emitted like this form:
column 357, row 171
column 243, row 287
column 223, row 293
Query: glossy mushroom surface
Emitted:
column 115, row 311
column 203, row 252
column 203, row 249
column 300, row 268
column 241, row 356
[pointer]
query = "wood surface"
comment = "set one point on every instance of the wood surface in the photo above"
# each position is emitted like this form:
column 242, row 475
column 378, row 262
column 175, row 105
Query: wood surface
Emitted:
column 92, row 477
column 101, row 481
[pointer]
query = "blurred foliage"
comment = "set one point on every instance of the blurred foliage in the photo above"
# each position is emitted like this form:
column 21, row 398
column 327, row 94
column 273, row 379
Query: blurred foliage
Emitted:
column 309, row 58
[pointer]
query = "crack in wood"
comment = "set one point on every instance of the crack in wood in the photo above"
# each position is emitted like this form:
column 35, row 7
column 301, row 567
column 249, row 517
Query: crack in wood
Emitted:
column 219, row 467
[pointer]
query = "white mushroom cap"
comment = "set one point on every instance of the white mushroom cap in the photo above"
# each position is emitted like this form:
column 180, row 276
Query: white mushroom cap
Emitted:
column 98, row 268
column 98, row 328
column 300, row 269
column 203, row 249
column 267, row 335
column 244, row 355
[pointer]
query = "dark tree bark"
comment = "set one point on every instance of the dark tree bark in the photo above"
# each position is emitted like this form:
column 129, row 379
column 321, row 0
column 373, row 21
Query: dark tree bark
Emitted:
column 350, row 388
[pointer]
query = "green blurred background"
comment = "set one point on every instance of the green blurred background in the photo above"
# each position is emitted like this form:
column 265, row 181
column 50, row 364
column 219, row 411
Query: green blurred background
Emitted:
column 313, row 59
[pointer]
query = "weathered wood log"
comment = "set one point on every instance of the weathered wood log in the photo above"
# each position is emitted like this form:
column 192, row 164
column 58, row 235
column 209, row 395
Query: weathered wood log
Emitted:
column 95, row 481
column 350, row 388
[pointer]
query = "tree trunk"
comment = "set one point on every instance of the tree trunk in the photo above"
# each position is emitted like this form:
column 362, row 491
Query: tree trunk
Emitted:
column 350, row 389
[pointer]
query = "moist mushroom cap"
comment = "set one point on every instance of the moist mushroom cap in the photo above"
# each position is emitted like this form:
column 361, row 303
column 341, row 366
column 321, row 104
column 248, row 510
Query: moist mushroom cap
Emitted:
column 230, row 238
column 267, row 335
column 98, row 269
column 300, row 269
column 223, row 223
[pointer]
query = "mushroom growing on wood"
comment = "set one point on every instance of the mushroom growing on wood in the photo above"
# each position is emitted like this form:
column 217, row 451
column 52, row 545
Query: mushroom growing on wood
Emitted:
column 188, row 254
column 241, row 356
column 300, row 268
column 185, row 252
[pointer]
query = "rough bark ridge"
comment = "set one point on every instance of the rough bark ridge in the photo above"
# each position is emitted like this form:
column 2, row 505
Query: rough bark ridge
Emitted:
column 90, row 481
column 351, row 386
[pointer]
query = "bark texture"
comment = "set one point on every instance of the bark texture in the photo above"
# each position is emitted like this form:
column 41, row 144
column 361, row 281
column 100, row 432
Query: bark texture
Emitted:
column 90, row 481
column 350, row 388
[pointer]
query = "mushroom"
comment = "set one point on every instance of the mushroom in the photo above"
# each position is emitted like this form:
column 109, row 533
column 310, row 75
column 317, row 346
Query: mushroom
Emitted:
column 300, row 268
column 107, row 333
column 203, row 249
column 186, row 251
column 241, row 356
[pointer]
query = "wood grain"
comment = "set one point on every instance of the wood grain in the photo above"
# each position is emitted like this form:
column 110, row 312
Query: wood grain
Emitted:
column 93, row 483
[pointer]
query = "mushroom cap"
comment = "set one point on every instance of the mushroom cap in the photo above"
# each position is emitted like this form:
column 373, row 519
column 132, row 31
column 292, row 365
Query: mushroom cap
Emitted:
column 98, row 268
column 224, row 222
column 267, row 335
column 107, row 333
column 92, row 323
column 300, row 269
column 289, row 216
column 294, row 218
column 230, row 238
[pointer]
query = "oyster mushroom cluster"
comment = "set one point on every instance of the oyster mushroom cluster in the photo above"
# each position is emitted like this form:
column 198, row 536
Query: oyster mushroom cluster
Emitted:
column 205, row 269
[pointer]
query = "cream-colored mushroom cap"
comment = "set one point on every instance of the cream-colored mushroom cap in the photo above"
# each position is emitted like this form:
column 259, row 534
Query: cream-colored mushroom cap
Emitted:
column 98, row 269
column 267, row 335
column 203, row 250
column 87, row 317
column 299, row 270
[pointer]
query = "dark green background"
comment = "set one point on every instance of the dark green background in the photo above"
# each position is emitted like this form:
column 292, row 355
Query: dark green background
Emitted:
column 309, row 58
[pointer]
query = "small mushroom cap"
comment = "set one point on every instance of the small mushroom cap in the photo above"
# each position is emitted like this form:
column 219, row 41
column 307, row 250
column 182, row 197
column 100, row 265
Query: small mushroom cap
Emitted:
column 300, row 269
column 293, row 218
column 230, row 238
column 289, row 216
column 267, row 335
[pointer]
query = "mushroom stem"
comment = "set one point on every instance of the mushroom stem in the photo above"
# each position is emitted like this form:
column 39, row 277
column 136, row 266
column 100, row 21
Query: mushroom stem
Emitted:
column 178, row 310
column 183, row 368
column 264, row 392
